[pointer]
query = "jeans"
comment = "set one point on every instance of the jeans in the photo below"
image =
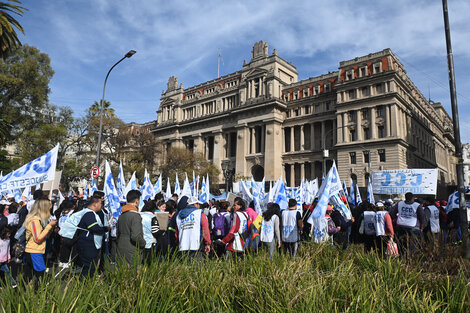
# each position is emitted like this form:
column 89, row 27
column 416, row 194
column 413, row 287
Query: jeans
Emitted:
column 4, row 268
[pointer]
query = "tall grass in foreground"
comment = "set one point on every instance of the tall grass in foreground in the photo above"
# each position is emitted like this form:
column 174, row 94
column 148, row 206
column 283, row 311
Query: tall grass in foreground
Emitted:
column 320, row 278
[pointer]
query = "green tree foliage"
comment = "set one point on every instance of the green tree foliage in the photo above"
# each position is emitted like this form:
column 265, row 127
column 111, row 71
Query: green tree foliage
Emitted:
column 8, row 37
column 5, row 162
column 183, row 161
column 24, row 90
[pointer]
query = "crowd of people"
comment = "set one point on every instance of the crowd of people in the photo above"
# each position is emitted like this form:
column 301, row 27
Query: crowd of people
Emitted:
column 78, row 235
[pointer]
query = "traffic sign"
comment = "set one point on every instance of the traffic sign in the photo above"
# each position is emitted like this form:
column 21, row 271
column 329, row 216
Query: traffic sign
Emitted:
column 95, row 172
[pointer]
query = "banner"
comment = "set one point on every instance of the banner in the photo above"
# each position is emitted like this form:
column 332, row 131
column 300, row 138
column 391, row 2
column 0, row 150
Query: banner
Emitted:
column 35, row 172
column 417, row 181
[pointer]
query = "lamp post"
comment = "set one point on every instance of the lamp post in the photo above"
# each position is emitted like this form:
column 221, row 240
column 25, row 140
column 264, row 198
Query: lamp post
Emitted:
column 100, row 132
column 228, row 174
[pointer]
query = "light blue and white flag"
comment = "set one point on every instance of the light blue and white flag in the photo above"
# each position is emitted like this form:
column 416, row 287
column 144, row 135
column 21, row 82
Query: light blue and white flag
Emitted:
column 341, row 206
column 17, row 194
column 93, row 187
column 111, row 195
column 168, row 190
column 158, row 185
column 35, row 172
column 317, row 219
column 85, row 191
column 281, row 197
column 204, row 195
column 453, row 201
column 147, row 188
column 186, row 188
column 358, row 196
column 345, row 189
column 131, row 185
column 299, row 197
column 121, row 183
column 351, row 197
column 245, row 190
column 177, row 186
column 370, row 193
column 26, row 195
column 37, row 187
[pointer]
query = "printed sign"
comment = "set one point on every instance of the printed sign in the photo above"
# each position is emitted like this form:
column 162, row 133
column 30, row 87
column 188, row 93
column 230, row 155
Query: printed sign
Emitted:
column 35, row 172
column 417, row 181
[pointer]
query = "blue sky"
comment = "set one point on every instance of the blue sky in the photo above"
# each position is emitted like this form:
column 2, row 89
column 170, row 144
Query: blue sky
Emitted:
column 84, row 38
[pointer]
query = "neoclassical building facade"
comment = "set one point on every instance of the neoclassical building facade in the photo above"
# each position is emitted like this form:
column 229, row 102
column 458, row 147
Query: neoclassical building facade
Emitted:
column 262, row 122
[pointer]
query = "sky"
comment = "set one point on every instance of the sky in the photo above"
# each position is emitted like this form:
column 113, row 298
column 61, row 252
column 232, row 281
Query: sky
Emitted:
column 84, row 38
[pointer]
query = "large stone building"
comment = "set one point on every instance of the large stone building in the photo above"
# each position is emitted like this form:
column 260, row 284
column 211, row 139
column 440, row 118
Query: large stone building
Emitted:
column 262, row 121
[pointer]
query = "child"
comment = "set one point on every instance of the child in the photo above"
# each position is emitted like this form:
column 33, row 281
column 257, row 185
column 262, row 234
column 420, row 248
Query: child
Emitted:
column 5, row 254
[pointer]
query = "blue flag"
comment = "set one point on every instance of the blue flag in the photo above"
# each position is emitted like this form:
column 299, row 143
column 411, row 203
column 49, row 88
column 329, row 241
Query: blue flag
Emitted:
column 111, row 194
column 370, row 193
column 281, row 197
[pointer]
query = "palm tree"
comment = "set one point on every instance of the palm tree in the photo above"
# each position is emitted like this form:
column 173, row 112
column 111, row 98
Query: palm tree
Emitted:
column 8, row 37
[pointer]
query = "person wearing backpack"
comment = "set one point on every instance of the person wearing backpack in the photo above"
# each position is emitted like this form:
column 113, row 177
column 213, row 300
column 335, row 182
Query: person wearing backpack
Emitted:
column 270, row 230
column 90, row 237
column 292, row 226
column 234, row 241
column 221, row 227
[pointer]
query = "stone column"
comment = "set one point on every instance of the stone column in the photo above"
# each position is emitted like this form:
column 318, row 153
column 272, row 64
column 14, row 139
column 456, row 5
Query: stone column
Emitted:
column 263, row 138
column 394, row 118
column 358, row 125
column 387, row 122
column 292, row 145
column 372, row 126
column 218, row 152
column 302, row 138
column 292, row 175
column 335, row 132
column 339, row 123
column 312, row 170
column 253, row 140
column 312, row 137
column 345, row 129
column 323, row 139
column 302, row 171
column 273, row 167
column 242, row 145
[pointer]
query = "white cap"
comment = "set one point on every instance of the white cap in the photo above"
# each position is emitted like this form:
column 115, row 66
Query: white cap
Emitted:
column 380, row 204
column 4, row 202
column 194, row 200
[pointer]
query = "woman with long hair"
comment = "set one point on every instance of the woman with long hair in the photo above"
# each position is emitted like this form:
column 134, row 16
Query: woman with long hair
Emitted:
column 270, row 228
column 37, row 228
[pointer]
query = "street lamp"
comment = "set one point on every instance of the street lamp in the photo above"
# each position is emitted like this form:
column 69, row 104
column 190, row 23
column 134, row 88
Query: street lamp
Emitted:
column 98, row 153
column 228, row 174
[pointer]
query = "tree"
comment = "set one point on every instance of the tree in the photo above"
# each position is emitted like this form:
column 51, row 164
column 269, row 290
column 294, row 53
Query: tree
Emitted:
column 5, row 162
column 183, row 161
column 24, row 91
column 8, row 37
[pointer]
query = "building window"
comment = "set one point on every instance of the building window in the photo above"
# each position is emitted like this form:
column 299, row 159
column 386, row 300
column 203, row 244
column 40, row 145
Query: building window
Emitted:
column 366, row 133
column 377, row 68
column 297, row 112
column 349, row 75
column 381, row 132
column 380, row 110
column 365, row 91
column 233, row 144
column 327, row 87
column 352, row 116
column 352, row 94
column 379, row 88
column 366, row 157
column 352, row 157
column 363, row 71
column 352, row 135
column 365, row 114
column 381, row 155
column 327, row 105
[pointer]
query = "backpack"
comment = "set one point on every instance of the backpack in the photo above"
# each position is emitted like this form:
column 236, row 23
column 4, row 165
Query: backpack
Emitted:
column 19, row 246
column 221, row 227
column 251, row 237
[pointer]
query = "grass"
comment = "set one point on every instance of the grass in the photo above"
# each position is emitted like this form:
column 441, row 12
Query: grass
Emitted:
column 320, row 278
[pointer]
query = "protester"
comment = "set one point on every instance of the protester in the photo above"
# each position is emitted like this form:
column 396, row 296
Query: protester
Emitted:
column 66, row 244
column 37, row 229
column 233, row 241
column 221, row 225
column 193, row 233
column 171, row 207
column 5, row 254
column 270, row 229
column 292, row 226
column 368, row 226
column 410, row 222
column 13, row 217
column 130, row 237
column 90, row 237
column 150, row 228
column 383, row 228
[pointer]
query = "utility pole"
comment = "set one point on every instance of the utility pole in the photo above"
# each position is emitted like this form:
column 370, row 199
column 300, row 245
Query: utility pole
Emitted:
column 457, row 142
